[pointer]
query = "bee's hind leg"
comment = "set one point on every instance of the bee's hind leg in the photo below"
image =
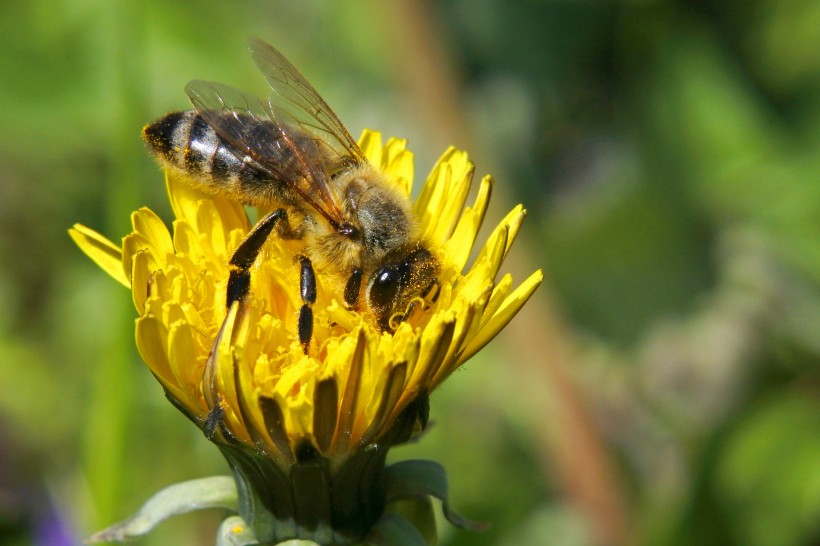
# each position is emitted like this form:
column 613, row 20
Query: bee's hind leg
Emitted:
column 239, row 281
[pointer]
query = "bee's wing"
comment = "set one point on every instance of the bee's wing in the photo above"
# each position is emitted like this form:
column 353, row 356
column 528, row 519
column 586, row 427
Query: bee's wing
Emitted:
column 296, row 101
column 284, row 151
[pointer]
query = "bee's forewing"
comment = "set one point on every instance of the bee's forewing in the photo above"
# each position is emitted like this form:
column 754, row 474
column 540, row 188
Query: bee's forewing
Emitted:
column 295, row 99
column 251, row 129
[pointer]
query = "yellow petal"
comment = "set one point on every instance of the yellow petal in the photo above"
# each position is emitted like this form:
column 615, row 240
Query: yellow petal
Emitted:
column 431, row 191
column 371, row 144
column 466, row 326
column 149, row 225
column 457, row 248
column 183, row 360
column 102, row 251
column 394, row 148
column 183, row 196
column 232, row 215
column 196, row 320
column 186, row 241
column 225, row 371
column 454, row 200
column 386, row 396
column 506, row 231
column 513, row 220
column 512, row 304
column 325, row 411
column 443, row 195
column 350, row 390
column 252, row 412
column 436, row 341
column 483, row 271
column 142, row 271
column 342, row 316
column 134, row 244
column 398, row 164
column 152, row 343
column 299, row 417
column 500, row 292
column 217, row 225
column 482, row 200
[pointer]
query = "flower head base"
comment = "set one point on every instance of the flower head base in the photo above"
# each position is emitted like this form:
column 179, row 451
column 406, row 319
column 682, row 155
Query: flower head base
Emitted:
column 291, row 423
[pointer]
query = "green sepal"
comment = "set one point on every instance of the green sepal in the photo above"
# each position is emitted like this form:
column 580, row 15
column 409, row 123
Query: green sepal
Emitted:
column 418, row 511
column 394, row 530
column 180, row 498
column 420, row 478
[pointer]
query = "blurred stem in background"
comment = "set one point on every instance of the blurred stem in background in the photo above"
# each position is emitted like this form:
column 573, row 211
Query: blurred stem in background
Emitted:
column 574, row 452
column 111, row 407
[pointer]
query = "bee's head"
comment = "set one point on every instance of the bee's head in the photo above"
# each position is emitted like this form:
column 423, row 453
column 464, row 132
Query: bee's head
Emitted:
column 393, row 286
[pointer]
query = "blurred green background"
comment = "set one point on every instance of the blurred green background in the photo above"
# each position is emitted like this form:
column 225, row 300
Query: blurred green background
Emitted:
column 661, row 389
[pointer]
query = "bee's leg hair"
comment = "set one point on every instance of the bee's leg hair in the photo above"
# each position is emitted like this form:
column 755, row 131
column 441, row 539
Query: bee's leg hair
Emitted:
column 354, row 282
column 307, row 290
column 239, row 281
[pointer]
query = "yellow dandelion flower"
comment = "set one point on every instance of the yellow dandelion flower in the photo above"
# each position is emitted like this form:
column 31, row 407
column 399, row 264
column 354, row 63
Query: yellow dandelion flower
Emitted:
column 307, row 432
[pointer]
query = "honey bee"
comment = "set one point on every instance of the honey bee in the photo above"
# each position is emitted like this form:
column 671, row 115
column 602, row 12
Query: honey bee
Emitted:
column 290, row 153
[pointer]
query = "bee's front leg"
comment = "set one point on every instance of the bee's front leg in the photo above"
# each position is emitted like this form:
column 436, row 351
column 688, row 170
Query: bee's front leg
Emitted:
column 354, row 282
column 239, row 281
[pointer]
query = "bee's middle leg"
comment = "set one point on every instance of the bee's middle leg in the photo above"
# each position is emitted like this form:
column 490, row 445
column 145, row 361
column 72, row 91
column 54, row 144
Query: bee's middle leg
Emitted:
column 307, row 291
column 239, row 280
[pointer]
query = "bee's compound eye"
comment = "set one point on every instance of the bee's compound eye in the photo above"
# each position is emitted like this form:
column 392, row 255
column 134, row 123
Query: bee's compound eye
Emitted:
column 384, row 286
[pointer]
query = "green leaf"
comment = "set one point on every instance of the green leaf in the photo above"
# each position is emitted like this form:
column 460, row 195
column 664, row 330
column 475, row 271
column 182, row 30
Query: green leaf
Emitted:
column 419, row 478
column 213, row 492
column 769, row 474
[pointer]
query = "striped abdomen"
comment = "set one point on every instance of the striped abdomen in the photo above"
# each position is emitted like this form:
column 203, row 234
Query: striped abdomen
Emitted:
column 186, row 141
